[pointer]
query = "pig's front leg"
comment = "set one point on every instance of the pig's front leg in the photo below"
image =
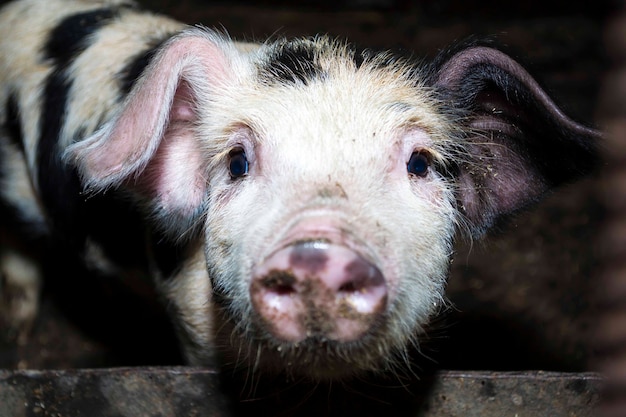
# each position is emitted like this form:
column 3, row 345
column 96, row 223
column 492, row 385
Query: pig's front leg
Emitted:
column 188, row 298
column 20, row 284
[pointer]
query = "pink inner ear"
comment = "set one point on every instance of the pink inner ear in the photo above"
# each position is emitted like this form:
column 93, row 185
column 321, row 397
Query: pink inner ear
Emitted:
column 183, row 104
column 500, row 183
column 175, row 174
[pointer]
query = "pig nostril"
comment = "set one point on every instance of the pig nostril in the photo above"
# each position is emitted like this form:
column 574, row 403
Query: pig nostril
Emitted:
column 283, row 289
column 280, row 282
column 349, row 287
column 363, row 274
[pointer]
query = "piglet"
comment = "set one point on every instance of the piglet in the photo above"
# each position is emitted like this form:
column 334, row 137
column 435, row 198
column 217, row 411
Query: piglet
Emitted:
column 294, row 203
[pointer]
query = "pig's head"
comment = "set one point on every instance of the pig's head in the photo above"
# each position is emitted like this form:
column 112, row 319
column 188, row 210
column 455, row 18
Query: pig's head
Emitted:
column 328, row 185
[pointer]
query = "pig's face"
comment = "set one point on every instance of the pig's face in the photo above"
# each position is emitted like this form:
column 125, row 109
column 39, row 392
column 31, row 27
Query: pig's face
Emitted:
column 329, row 230
column 327, row 184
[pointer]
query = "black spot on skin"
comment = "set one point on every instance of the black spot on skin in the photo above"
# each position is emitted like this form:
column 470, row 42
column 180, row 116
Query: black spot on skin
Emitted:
column 12, row 124
column 308, row 256
column 72, row 217
column 70, row 37
column 136, row 66
column 59, row 185
column 294, row 63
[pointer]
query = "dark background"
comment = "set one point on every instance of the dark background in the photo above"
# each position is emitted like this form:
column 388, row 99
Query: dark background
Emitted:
column 524, row 297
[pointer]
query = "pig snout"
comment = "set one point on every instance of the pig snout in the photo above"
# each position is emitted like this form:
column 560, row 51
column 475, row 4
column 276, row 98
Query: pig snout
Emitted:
column 320, row 289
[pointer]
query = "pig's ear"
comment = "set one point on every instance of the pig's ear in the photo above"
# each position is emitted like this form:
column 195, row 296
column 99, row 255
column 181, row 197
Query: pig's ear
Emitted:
column 151, row 146
column 518, row 143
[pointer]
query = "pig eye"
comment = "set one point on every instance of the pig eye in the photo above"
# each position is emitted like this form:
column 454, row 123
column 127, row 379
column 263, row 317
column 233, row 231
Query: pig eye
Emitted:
column 418, row 164
column 238, row 163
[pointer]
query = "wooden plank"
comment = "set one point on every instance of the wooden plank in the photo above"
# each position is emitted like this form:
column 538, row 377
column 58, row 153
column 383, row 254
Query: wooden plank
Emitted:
column 179, row 391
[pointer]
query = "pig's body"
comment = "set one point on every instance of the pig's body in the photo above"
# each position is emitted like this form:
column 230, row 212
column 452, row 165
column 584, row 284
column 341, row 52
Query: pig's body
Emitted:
column 294, row 203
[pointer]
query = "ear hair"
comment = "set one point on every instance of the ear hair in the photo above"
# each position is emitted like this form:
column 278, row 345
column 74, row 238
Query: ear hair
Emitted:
column 520, row 143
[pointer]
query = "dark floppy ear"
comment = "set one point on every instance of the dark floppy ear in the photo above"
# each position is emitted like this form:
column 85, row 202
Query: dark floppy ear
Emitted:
column 151, row 146
column 518, row 143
